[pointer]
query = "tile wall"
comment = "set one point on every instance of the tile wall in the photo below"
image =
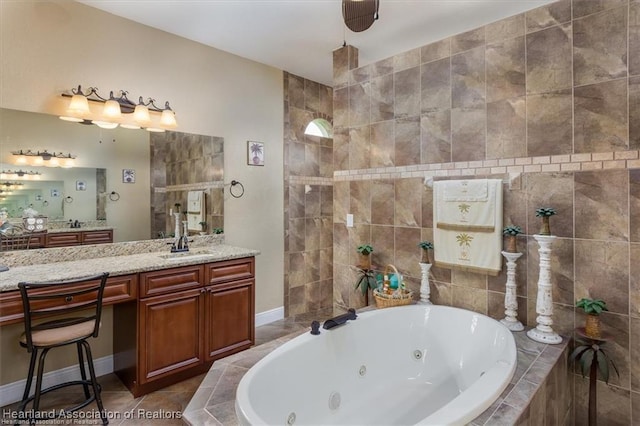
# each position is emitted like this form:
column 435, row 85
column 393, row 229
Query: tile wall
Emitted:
column 183, row 162
column 548, row 101
column 308, row 198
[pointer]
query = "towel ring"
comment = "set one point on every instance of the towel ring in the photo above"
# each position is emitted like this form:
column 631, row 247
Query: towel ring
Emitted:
column 234, row 183
column 114, row 196
column 68, row 199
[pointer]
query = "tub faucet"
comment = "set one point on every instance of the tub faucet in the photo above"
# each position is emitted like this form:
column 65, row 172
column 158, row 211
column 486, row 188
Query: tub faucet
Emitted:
column 340, row 319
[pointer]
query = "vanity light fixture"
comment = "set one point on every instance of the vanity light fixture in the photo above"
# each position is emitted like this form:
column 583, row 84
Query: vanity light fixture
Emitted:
column 44, row 158
column 12, row 185
column 116, row 110
column 19, row 174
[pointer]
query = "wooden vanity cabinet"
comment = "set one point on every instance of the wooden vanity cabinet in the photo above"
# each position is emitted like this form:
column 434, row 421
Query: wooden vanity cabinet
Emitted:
column 97, row 237
column 185, row 318
column 229, row 308
column 63, row 239
column 74, row 238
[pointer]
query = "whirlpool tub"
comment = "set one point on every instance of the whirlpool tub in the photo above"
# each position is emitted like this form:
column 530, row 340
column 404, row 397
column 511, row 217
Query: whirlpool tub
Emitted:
column 417, row 364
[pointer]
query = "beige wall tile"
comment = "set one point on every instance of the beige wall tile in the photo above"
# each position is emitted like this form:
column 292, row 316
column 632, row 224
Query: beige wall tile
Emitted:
column 546, row 16
column 604, row 213
column 549, row 60
column 601, row 117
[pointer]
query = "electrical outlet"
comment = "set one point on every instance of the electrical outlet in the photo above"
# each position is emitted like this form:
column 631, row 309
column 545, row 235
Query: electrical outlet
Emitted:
column 349, row 220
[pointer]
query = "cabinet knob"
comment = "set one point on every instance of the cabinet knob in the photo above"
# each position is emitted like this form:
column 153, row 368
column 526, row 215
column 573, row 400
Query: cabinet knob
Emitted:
column 202, row 291
column 68, row 299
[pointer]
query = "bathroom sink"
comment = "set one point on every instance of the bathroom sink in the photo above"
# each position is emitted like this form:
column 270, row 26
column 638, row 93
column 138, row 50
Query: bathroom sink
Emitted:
column 187, row 255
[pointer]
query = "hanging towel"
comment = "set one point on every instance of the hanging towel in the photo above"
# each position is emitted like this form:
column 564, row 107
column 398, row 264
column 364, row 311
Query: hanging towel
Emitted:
column 466, row 205
column 466, row 190
column 466, row 247
column 195, row 210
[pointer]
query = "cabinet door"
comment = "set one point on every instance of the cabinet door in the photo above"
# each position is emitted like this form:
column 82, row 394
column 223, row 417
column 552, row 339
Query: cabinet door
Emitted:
column 97, row 237
column 171, row 334
column 63, row 239
column 230, row 316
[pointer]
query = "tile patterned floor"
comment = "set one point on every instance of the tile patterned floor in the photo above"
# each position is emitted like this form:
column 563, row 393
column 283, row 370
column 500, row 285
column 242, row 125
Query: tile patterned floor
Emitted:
column 224, row 376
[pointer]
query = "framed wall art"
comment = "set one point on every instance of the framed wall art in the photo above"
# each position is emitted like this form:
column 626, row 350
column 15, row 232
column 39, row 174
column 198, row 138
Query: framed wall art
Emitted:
column 128, row 176
column 255, row 153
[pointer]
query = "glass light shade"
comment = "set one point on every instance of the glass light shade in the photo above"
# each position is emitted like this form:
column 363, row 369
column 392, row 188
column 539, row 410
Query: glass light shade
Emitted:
column 141, row 114
column 21, row 159
column 129, row 126
column 79, row 106
column 37, row 161
column 72, row 119
column 111, row 109
column 154, row 130
column 68, row 163
column 105, row 124
column 168, row 118
column 53, row 162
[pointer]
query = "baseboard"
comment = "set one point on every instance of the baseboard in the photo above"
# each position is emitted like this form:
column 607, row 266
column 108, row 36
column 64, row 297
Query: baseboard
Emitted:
column 266, row 317
column 12, row 392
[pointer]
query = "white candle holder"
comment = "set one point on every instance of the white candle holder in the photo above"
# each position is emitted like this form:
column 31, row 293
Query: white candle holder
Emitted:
column 510, row 297
column 543, row 332
column 425, row 291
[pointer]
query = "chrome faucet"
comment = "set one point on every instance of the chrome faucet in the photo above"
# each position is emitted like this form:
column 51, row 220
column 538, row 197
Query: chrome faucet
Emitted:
column 180, row 243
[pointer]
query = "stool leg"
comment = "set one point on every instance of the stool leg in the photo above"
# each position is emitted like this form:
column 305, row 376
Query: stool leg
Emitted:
column 94, row 383
column 36, row 399
column 27, row 388
column 83, row 374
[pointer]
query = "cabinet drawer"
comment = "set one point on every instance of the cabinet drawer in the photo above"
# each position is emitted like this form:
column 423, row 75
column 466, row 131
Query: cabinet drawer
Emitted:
column 118, row 289
column 63, row 239
column 97, row 237
column 168, row 280
column 230, row 270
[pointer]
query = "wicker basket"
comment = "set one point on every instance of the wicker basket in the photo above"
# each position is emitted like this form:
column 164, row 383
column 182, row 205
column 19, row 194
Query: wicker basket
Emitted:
column 400, row 297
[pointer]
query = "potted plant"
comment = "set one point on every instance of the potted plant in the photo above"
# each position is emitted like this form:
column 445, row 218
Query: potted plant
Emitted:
column 366, row 281
column 203, row 227
column 593, row 359
column 217, row 231
column 511, row 232
column 425, row 246
column 593, row 308
column 365, row 251
column 545, row 213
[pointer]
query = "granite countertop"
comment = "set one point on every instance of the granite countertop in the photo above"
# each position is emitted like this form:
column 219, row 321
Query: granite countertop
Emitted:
column 119, row 265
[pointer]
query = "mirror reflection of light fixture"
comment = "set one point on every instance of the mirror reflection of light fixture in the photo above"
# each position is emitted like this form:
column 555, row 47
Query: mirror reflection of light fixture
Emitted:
column 113, row 109
column 12, row 185
column 19, row 174
column 44, row 158
column 359, row 15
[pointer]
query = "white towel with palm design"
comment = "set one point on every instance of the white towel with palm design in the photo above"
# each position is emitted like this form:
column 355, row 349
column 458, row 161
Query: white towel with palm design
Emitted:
column 472, row 245
column 467, row 205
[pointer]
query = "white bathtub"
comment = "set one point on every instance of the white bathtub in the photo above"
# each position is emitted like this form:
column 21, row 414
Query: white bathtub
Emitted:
column 428, row 365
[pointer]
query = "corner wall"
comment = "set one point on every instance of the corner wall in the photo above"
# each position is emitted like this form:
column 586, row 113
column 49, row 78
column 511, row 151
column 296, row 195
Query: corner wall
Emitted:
column 548, row 101
column 308, row 200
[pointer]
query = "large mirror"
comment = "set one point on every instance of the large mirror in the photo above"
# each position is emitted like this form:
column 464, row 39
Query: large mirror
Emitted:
column 129, row 178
